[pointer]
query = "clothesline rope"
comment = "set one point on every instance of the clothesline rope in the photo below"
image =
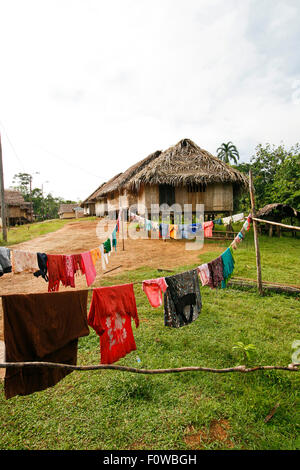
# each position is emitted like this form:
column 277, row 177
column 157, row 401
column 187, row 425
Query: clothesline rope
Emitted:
column 242, row 369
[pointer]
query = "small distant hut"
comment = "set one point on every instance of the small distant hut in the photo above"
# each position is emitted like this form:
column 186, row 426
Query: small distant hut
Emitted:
column 18, row 211
column 277, row 212
column 70, row 211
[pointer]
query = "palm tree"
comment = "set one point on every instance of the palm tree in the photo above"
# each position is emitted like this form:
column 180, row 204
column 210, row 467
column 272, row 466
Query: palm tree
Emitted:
column 228, row 152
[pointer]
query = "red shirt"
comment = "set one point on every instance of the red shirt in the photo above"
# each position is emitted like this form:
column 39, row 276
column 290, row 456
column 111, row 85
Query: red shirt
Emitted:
column 110, row 315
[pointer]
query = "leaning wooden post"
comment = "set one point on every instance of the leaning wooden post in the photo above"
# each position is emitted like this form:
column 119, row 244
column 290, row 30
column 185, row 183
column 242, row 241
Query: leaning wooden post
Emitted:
column 255, row 231
column 122, row 216
column 2, row 195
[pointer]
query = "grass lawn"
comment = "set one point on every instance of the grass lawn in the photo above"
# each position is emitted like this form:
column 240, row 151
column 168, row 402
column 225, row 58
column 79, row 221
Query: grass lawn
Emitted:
column 193, row 410
column 27, row 232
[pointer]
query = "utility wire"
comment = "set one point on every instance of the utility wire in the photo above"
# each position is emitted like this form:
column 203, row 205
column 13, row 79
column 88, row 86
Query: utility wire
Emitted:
column 12, row 146
column 58, row 157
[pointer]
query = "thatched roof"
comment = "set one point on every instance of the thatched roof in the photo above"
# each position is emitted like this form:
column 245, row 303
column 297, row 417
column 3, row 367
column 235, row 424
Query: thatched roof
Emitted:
column 123, row 178
column 67, row 208
column 277, row 212
column 13, row 198
column 91, row 197
column 186, row 163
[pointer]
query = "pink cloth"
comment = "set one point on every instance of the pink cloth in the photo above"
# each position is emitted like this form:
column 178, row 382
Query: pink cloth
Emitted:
column 153, row 288
column 90, row 271
column 204, row 274
column 70, row 270
column 208, row 226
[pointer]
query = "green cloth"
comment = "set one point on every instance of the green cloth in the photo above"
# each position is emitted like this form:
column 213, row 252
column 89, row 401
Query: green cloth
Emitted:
column 114, row 239
column 107, row 246
column 228, row 265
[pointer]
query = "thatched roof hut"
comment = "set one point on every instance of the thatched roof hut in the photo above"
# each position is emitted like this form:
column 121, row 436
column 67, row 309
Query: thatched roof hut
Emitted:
column 182, row 174
column 17, row 209
column 277, row 212
column 70, row 211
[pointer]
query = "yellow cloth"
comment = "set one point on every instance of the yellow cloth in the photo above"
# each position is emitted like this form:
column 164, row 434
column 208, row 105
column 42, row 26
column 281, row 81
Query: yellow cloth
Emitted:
column 95, row 254
column 173, row 231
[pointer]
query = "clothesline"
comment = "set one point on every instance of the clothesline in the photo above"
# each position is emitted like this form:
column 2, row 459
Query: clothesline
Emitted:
column 59, row 268
column 112, row 308
column 219, row 221
column 179, row 231
column 86, row 262
column 242, row 369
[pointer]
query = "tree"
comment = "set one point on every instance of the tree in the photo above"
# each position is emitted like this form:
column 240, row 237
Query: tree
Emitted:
column 22, row 183
column 43, row 207
column 276, row 176
column 228, row 152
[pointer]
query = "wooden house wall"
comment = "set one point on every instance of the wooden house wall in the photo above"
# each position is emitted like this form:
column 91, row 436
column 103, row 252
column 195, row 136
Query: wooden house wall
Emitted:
column 217, row 197
column 67, row 215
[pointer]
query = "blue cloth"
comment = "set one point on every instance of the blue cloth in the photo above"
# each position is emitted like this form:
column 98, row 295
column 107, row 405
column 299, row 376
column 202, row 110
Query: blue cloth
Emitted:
column 148, row 224
column 183, row 228
column 218, row 222
column 194, row 228
column 165, row 230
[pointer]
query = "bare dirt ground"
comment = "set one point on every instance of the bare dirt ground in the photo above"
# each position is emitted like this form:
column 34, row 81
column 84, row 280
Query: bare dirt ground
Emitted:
column 81, row 236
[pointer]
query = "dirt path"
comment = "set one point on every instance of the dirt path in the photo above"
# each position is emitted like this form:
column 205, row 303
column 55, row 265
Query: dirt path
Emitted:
column 81, row 236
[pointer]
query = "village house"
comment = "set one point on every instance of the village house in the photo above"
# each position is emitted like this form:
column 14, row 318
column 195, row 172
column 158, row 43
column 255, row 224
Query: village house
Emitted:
column 70, row 211
column 18, row 212
column 182, row 174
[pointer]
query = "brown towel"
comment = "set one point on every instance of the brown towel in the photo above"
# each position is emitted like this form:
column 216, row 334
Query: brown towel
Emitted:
column 42, row 327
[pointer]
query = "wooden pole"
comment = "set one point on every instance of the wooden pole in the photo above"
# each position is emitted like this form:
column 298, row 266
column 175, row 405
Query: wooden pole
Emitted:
column 3, row 208
column 122, row 216
column 292, row 227
column 256, row 243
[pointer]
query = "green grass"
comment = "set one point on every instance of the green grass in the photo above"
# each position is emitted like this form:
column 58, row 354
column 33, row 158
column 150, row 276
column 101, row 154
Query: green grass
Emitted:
column 117, row 410
column 27, row 232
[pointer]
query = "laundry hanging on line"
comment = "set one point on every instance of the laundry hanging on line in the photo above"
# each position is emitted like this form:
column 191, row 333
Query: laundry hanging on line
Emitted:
column 5, row 260
column 182, row 299
column 60, row 269
column 110, row 314
column 41, row 328
column 50, row 328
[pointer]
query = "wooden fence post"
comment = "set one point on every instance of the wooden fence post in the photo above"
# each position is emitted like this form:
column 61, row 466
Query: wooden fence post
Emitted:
column 255, row 231
column 2, row 195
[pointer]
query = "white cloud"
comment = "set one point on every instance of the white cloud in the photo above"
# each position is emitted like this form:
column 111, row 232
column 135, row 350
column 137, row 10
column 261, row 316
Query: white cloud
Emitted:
column 103, row 84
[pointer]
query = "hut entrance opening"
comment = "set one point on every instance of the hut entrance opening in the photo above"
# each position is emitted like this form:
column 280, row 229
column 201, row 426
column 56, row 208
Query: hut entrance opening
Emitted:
column 166, row 194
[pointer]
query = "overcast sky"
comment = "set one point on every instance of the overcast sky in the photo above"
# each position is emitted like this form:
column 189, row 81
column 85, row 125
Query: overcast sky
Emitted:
column 89, row 87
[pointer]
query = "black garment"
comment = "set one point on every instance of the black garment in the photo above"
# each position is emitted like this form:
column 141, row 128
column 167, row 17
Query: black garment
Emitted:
column 182, row 299
column 5, row 263
column 42, row 263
